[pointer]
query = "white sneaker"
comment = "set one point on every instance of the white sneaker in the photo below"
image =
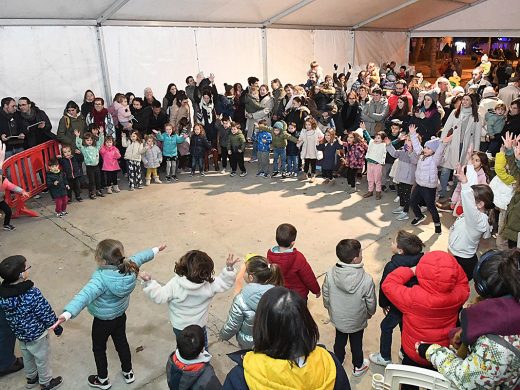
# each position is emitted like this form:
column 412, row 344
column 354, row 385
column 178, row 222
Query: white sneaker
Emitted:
column 402, row 217
column 398, row 210
column 223, row 171
column 129, row 376
column 376, row 358
column 397, row 199
column 361, row 370
column 401, row 356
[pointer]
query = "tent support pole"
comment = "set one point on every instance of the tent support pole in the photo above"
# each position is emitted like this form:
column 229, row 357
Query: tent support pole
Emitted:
column 407, row 49
column 353, row 32
column 104, row 65
column 264, row 55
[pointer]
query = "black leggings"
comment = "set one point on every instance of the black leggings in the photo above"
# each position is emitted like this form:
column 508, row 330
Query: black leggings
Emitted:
column 351, row 176
column 426, row 195
column 327, row 174
column 312, row 163
column 7, row 212
column 468, row 265
column 94, row 178
column 111, row 178
column 75, row 185
column 404, row 191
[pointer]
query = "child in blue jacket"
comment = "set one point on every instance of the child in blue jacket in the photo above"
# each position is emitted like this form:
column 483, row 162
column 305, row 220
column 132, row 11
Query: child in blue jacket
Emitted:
column 29, row 315
column 107, row 296
column 263, row 139
column 169, row 152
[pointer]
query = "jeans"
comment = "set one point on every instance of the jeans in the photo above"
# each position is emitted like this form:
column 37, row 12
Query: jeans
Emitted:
column 444, row 179
column 197, row 161
column 36, row 360
column 7, row 212
column 279, row 154
column 177, row 333
column 254, row 153
column 392, row 319
column 101, row 331
column 292, row 164
column 427, row 195
column 356, row 346
column 7, row 341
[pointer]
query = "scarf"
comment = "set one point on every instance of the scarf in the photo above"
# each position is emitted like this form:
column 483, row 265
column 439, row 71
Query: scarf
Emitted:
column 209, row 110
column 29, row 116
column 99, row 116
column 465, row 112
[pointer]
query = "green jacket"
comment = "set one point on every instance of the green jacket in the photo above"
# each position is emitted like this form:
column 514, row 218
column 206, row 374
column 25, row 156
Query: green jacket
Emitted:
column 90, row 153
column 512, row 222
column 236, row 142
column 280, row 139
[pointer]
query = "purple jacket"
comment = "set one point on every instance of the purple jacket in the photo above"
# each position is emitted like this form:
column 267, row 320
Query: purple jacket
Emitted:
column 426, row 172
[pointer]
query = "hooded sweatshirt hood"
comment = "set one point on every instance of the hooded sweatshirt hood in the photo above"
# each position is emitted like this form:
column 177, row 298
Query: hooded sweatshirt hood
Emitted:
column 348, row 277
column 117, row 283
column 252, row 293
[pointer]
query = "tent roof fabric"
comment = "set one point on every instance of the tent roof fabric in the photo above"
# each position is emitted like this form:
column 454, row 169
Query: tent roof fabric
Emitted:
column 387, row 15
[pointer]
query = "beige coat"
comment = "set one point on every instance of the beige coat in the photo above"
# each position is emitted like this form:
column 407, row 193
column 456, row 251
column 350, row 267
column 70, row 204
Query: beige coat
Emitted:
column 452, row 154
column 176, row 113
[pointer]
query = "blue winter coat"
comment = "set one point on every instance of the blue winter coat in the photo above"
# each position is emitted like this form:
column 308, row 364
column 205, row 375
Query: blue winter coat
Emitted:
column 264, row 146
column 329, row 154
column 107, row 294
column 26, row 310
column 170, row 143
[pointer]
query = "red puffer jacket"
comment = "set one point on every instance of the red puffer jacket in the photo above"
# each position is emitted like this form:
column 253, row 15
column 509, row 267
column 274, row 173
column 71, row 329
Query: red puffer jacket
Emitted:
column 430, row 308
column 297, row 272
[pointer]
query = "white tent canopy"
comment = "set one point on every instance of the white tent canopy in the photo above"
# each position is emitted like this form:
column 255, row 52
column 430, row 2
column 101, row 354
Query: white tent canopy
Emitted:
column 54, row 51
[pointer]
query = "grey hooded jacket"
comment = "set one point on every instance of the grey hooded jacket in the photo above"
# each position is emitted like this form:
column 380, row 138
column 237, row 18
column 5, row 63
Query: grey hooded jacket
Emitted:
column 350, row 297
column 242, row 314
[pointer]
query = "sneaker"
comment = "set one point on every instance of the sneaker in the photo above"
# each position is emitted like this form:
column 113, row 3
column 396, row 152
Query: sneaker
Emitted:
column 129, row 376
column 202, row 174
column 284, row 175
column 37, row 196
column 243, row 174
column 392, row 188
column 233, row 174
column 168, row 179
column 109, row 190
column 266, row 176
column 130, row 188
column 115, row 188
column 100, row 194
column 275, row 174
column 326, row 181
column 93, row 381
column 31, row 382
column 438, row 228
column 424, row 209
column 398, row 210
column 79, row 199
column 64, row 213
column 402, row 217
column 156, row 180
column 253, row 160
column 259, row 174
column 361, row 370
column 192, row 173
column 397, row 199
column 376, row 358
column 352, row 190
column 445, row 207
column 384, row 188
column 9, row 228
column 175, row 178
column 92, row 196
column 55, row 383
column 417, row 220
column 223, row 171
column 58, row 215
column 140, row 187
column 294, row 174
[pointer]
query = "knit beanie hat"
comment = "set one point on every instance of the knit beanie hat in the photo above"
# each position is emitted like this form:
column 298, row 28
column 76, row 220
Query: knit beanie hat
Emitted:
column 433, row 95
column 488, row 92
column 278, row 125
column 433, row 144
column 11, row 267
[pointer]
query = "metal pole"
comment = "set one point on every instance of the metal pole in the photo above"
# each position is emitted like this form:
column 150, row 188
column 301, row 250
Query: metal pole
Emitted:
column 104, row 65
column 353, row 47
column 264, row 55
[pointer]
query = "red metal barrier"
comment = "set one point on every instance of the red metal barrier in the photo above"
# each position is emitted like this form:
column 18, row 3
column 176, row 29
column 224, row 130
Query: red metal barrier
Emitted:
column 24, row 170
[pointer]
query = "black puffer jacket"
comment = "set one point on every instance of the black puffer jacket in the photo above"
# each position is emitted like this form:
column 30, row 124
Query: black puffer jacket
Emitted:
column 10, row 127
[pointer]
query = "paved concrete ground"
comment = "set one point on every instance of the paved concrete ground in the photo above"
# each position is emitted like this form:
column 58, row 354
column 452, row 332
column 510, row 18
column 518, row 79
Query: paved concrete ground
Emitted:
column 217, row 214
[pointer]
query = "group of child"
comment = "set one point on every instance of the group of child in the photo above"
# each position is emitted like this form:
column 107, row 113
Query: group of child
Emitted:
column 348, row 294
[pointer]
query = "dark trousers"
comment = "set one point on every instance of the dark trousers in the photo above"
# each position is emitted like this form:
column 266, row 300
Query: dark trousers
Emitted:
column 426, row 195
column 404, row 191
column 184, row 162
column 197, row 161
column 392, row 319
column 7, row 341
column 409, row 362
column 351, row 176
column 223, row 156
column 310, row 162
column 7, row 212
column 327, row 174
column 468, row 265
column 235, row 159
column 75, row 185
column 101, row 331
column 356, row 346
column 111, row 178
column 94, row 178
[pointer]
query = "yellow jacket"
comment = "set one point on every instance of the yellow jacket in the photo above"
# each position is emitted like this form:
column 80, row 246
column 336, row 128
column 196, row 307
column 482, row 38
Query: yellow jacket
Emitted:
column 263, row 372
column 500, row 169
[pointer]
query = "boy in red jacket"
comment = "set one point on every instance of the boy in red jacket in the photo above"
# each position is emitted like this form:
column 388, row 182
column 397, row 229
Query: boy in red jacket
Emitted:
column 297, row 272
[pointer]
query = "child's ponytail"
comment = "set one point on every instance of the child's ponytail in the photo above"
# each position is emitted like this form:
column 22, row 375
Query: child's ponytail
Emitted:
column 264, row 272
column 484, row 193
column 111, row 252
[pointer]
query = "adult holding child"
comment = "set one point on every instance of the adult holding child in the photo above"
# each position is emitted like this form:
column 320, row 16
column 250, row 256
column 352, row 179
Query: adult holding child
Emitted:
column 286, row 352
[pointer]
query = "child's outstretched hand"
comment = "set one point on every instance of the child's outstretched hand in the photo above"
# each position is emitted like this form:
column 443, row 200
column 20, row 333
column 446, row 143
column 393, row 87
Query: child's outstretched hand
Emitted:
column 412, row 129
column 25, row 194
column 508, row 140
column 155, row 131
column 447, row 139
column 232, row 260
column 77, row 133
column 459, row 173
column 61, row 320
column 145, row 276
column 162, row 247
column 387, row 141
column 363, row 125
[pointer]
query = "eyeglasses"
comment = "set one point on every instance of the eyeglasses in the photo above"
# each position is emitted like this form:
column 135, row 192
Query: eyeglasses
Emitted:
column 27, row 268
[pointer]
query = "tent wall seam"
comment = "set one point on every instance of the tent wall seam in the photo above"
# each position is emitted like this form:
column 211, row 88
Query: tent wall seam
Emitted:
column 104, row 64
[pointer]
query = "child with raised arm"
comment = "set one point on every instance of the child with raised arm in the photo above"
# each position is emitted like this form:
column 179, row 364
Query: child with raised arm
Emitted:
column 90, row 152
column 190, row 291
column 107, row 296
column 297, row 272
column 170, row 140
column 349, row 296
column 426, row 176
column 375, row 157
column 29, row 315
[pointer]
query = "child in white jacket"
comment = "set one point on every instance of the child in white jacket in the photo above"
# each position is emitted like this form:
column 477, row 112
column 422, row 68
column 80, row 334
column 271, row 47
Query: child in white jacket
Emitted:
column 189, row 293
